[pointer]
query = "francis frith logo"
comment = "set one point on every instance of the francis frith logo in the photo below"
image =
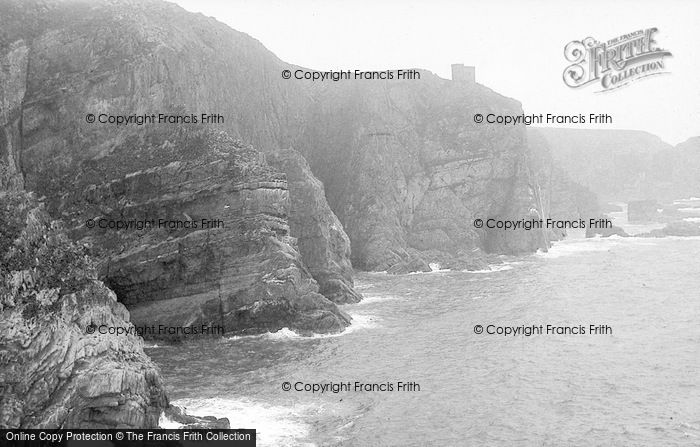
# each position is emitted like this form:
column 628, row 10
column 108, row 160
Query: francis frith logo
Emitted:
column 616, row 62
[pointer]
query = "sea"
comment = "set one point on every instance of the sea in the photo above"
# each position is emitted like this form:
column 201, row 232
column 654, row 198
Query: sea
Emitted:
column 437, row 365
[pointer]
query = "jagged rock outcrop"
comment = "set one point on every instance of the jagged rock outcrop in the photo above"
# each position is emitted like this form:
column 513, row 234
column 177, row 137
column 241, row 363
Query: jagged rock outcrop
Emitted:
column 215, row 249
column 55, row 373
column 324, row 246
column 142, row 57
column 177, row 414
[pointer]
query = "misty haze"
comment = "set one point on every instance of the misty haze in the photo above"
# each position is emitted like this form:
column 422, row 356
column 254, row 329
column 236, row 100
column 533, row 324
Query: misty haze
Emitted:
column 367, row 224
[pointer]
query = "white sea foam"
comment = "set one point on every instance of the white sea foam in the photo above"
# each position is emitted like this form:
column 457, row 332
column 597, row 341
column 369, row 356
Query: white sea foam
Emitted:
column 372, row 299
column 689, row 210
column 692, row 219
column 682, row 201
column 577, row 246
column 493, row 268
column 435, row 267
column 282, row 334
column 276, row 425
column 679, row 238
column 242, row 337
column 359, row 322
column 166, row 422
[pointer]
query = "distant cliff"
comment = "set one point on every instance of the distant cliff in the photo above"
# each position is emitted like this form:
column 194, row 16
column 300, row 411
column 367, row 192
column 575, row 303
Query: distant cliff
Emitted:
column 624, row 164
column 677, row 171
column 561, row 197
column 408, row 171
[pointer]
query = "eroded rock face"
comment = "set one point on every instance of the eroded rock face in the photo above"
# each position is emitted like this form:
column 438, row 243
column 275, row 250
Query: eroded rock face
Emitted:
column 148, row 57
column 13, row 75
column 55, row 373
column 408, row 171
column 209, row 242
column 324, row 246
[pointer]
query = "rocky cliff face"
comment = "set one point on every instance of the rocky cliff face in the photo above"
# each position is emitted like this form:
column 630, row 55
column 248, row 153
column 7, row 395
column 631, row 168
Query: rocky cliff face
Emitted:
column 405, row 167
column 13, row 75
column 149, row 57
column 215, row 249
column 324, row 246
column 56, row 369
column 408, row 171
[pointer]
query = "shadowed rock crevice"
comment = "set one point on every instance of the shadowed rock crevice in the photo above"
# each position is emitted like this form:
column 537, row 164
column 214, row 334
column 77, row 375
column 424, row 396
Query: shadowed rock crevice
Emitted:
column 324, row 246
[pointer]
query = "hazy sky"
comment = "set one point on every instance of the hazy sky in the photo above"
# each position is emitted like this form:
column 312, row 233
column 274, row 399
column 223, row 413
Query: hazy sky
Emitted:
column 517, row 47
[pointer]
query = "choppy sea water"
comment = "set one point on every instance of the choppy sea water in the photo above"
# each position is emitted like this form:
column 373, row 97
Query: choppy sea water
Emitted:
column 638, row 386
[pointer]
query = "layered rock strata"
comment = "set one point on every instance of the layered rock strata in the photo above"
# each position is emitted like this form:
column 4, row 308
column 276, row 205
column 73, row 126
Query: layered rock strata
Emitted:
column 408, row 171
column 324, row 246
column 406, row 168
column 57, row 370
column 204, row 241
column 69, row 60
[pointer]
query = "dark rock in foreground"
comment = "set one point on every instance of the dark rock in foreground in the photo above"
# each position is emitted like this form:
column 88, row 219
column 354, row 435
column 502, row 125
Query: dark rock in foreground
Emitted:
column 177, row 414
column 55, row 373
